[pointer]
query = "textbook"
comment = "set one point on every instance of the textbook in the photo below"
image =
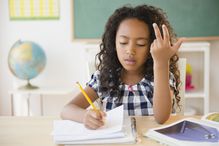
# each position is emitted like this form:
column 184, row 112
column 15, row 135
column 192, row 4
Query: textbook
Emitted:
column 188, row 132
column 117, row 129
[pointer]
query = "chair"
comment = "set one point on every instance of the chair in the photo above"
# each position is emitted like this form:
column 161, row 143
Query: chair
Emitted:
column 182, row 69
column 90, row 53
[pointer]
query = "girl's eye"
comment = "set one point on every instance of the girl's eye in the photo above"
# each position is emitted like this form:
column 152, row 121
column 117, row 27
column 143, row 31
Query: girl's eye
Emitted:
column 123, row 43
column 141, row 45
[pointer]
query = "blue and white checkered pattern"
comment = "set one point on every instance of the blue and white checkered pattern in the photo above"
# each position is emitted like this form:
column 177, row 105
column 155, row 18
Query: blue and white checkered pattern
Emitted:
column 137, row 99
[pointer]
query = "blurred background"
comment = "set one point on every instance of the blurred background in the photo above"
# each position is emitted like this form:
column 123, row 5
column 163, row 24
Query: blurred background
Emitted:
column 69, row 38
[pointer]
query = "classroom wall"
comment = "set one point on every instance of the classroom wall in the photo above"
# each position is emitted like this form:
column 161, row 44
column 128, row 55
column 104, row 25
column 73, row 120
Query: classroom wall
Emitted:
column 65, row 59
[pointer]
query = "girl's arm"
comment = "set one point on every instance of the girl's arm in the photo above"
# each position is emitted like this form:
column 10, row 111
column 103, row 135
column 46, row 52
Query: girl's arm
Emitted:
column 162, row 101
column 162, row 51
column 75, row 110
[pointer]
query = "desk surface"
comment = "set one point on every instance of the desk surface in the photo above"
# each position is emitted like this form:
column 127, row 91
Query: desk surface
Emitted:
column 36, row 131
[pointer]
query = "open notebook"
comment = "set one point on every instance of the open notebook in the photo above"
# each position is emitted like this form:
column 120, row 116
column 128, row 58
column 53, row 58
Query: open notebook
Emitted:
column 117, row 129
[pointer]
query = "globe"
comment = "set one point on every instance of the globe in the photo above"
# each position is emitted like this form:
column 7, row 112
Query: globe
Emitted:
column 26, row 60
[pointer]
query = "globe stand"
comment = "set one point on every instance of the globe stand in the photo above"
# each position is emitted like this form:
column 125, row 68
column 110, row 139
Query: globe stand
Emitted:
column 28, row 86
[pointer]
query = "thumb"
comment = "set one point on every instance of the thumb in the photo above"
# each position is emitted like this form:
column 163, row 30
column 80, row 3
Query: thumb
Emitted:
column 177, row 45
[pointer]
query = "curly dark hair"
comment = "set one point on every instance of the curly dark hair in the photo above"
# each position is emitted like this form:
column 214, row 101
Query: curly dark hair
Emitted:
column 109, row 65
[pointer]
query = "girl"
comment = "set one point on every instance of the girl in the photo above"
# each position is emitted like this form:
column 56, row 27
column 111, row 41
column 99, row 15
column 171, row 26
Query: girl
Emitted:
column 137, row 68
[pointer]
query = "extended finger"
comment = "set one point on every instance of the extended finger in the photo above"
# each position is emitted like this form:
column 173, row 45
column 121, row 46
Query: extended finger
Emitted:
column 166, row 35
column 157, row 32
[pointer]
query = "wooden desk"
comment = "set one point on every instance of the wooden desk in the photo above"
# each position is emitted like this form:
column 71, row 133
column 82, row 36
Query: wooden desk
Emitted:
column 36, row 131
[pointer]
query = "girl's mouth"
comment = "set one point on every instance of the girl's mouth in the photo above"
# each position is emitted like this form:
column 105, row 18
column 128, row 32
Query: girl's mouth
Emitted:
column 130, row 61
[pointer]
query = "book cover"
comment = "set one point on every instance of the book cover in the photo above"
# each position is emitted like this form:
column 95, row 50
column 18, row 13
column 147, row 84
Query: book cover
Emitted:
column 189, row 132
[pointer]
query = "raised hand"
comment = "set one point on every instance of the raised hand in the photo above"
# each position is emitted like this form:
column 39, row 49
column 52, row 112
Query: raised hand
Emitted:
column 161, row 49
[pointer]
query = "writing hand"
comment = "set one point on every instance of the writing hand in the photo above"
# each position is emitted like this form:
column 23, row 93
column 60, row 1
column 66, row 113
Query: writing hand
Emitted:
column 161, row 49
column 93, row 119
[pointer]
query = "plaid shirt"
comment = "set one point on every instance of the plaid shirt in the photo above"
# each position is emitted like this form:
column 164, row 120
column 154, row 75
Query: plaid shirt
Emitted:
column 137, row 99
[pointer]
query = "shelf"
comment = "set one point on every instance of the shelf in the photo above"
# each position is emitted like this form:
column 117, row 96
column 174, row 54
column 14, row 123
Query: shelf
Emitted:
column 43, row 91
column 195, row 95
column 194, row 47
column 197, row 55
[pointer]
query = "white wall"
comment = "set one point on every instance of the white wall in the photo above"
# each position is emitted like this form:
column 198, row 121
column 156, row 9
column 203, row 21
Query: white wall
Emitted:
column 65, row 59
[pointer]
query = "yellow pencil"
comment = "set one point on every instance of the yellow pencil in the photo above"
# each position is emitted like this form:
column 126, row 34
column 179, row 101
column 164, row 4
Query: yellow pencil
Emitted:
column 86, row 96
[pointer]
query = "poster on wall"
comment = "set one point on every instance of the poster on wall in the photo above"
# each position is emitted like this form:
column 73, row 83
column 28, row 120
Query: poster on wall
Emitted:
column 33, row 9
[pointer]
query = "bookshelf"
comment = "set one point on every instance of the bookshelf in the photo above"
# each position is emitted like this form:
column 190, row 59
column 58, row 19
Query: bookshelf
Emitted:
column 197, row 55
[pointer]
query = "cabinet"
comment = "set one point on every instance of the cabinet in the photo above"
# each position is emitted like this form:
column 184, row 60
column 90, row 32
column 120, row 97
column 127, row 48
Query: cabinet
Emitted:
column 40, row 92
column 197, row 55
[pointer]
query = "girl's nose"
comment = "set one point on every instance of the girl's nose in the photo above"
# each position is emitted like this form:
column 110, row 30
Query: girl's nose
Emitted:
column 130, row 51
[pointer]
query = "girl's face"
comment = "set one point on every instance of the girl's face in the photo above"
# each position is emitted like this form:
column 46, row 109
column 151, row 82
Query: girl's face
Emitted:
column 132, row 44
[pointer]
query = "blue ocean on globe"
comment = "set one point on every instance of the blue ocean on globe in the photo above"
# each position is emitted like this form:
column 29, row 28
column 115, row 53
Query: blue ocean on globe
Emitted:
column 26, row 60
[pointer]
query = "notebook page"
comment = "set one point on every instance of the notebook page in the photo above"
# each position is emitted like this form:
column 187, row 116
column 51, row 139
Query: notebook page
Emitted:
column 70, row 130
column 129, row 138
